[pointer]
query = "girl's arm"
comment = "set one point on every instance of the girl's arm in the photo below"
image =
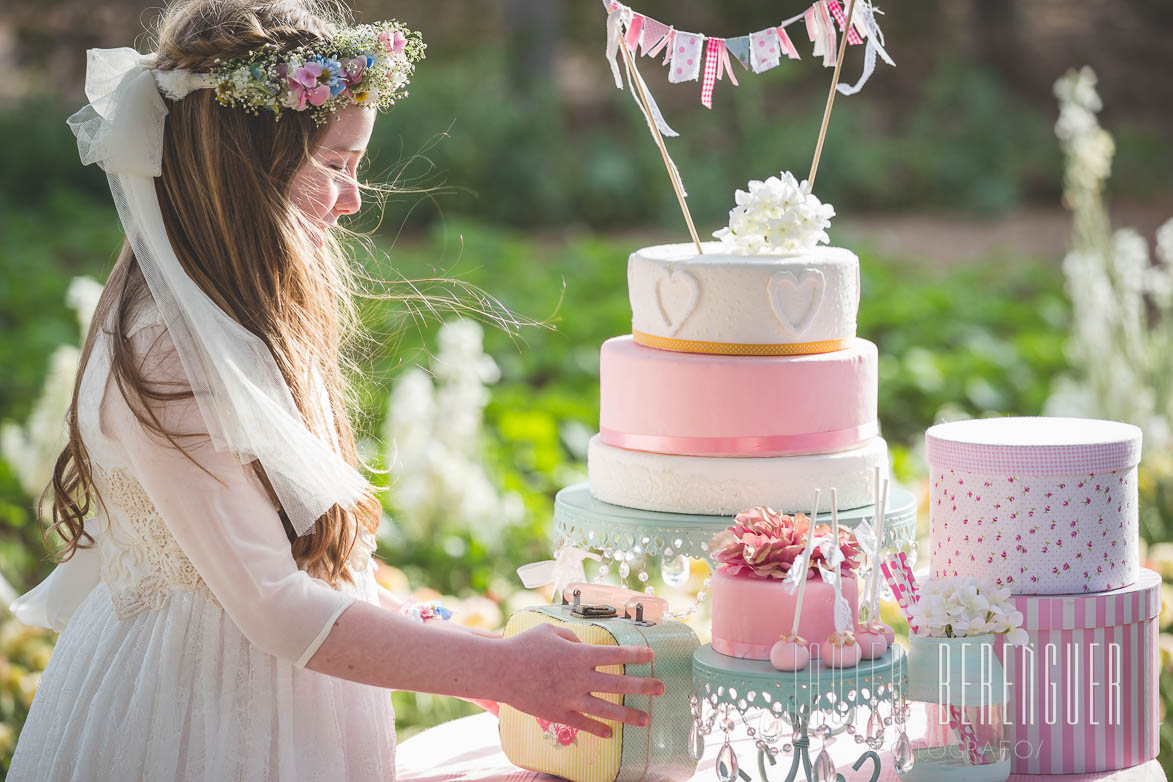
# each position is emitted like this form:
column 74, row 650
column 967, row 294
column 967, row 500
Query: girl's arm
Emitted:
column 546, row 671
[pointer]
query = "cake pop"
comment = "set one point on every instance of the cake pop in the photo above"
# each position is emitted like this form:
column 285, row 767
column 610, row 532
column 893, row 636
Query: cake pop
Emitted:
column 840, row 650
column 790, row 653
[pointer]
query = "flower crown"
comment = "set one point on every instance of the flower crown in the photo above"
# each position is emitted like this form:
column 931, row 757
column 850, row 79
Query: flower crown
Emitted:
column 368, row 65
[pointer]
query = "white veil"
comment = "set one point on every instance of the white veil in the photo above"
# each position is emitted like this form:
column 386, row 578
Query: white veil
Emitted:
column 240, row 390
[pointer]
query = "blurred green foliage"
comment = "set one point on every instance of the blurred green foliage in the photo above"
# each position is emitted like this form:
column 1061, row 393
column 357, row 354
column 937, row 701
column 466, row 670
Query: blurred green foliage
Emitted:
column 963, row 141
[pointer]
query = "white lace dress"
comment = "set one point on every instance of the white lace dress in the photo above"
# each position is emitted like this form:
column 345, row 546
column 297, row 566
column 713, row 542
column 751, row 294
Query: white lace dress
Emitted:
column 186, row 630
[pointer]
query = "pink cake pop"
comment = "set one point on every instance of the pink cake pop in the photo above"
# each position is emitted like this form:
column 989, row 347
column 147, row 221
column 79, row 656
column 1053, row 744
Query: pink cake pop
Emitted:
column 790, row 652
column 871, row 640
column 840, row 650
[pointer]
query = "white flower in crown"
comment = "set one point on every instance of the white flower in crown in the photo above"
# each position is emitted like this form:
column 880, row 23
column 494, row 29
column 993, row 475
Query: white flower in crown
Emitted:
column 779, row 215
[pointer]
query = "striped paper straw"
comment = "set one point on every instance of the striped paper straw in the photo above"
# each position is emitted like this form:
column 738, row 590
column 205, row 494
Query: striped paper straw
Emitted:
column 899, row 590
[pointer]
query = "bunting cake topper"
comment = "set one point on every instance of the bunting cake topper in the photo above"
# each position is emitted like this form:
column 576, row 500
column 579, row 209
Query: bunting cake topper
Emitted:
column 692, row 56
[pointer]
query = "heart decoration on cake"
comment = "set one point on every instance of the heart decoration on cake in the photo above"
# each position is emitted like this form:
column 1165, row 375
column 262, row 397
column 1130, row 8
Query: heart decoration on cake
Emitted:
column 795, row 297
column 677, row 294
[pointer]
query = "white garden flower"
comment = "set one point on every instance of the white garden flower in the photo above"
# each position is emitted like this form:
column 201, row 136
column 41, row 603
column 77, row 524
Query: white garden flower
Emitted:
column 1122, row 340
column 434, row 431
column 1165, row 242
column 779, row 215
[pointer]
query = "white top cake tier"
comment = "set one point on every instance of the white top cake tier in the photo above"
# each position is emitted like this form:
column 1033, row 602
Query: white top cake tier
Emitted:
column 1040, row 505
column 720, row 302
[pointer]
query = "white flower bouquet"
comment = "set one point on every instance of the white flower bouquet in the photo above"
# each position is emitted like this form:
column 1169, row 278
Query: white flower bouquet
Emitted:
column 963, row 606
column 777, row 215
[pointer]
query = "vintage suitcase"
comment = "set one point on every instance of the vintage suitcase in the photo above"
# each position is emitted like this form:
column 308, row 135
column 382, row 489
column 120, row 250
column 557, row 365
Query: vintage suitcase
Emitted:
column 612, row 616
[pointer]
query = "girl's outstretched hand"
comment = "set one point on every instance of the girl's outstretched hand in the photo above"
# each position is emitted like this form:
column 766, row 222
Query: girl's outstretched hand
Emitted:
column 552, row 674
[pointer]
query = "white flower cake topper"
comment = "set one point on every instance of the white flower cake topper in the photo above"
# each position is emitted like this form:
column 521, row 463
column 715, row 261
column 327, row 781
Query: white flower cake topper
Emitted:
column 777, row 215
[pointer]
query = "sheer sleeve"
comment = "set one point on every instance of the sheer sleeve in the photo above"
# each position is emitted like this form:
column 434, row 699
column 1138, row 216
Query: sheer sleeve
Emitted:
column 222, row 518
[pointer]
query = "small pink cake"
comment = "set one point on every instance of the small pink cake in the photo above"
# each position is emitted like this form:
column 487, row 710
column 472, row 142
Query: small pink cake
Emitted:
column 750, row 613
column 752, row 608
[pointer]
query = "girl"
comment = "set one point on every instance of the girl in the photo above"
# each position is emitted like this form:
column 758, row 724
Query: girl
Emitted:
column 219, row 614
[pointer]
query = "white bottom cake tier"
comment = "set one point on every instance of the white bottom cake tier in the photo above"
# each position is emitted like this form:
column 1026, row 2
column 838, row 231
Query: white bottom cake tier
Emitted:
column 723, row 486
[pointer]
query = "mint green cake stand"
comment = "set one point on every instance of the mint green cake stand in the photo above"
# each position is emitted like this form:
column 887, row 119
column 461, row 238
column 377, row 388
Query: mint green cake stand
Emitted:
column 585, row 522
column 627, row 538
column 792, row 708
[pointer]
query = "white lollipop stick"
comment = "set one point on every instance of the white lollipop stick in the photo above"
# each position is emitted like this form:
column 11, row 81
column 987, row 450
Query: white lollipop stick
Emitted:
column 881, row 512
column 806, row 556
column 835, row 517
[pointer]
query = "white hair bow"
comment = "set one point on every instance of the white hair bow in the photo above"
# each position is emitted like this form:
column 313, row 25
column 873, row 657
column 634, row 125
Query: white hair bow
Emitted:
column 241, row 392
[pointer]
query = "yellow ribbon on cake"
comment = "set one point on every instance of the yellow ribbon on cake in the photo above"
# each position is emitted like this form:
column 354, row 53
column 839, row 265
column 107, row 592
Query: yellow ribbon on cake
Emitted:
column 740, row 349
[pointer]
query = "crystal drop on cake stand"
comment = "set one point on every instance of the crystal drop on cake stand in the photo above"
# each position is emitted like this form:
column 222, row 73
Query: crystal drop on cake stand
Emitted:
column 902, row 754
column 824, row 767
column 727, row 763
column 675, row 571
column 696, row 741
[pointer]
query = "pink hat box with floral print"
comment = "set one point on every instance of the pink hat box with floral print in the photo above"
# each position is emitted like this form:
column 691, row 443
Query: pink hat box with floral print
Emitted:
column 1040, row 505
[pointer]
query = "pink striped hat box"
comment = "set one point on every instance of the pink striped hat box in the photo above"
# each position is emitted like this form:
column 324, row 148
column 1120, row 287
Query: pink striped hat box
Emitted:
column 1044, row 506
column 1083, row 694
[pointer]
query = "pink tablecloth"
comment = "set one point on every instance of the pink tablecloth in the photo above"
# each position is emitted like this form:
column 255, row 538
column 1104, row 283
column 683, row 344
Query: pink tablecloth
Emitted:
column 467, row 749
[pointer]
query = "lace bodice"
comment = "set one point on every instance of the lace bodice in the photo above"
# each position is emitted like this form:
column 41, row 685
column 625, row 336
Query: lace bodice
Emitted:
column 164, row 525
column 141, row 563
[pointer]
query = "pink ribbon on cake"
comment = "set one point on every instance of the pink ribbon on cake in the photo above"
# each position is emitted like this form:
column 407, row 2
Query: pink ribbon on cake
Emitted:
column 779, row 444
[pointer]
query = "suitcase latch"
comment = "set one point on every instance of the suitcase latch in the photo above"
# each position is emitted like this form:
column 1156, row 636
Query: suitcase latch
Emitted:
column 639, row 616
column 590, row 610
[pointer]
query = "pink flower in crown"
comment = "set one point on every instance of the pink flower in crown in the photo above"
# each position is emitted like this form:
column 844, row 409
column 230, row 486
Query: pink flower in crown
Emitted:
column 393, row 41
column 303, row 86
column 353, row 68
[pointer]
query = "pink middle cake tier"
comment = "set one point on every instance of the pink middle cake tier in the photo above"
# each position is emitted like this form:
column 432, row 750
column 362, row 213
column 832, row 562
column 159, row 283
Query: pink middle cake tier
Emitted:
column 750, row 613
column 715, row 405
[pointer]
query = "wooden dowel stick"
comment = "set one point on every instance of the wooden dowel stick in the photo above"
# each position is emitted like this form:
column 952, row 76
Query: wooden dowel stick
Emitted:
column 831, row 95
column 672, row 173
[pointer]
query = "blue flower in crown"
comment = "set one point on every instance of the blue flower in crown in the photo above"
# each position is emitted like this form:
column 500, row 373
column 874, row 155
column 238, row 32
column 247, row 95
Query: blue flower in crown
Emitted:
column 331, row 74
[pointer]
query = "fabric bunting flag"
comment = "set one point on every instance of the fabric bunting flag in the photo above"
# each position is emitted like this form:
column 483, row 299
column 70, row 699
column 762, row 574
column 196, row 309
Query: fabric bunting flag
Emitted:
column 653, row 35
column 685, row 63
column 634, row 28
column 739, row 48
column 840, row 17
column 821, row 32
column 716, row 65
column 765, row 49
column 787, row 44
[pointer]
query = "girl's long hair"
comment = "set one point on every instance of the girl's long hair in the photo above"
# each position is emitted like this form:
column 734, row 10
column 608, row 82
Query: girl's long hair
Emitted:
column 225, row 197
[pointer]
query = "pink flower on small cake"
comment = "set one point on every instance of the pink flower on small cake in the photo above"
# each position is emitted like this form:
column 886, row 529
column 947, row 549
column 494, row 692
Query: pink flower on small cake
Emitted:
column 764, row 543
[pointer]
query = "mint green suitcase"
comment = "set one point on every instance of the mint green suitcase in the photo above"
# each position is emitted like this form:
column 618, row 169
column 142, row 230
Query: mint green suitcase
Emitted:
column 656, row 753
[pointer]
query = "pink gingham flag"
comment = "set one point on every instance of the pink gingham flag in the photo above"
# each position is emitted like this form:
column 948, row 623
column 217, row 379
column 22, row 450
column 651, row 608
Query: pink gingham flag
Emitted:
column 712, row 62
column 837, row 11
